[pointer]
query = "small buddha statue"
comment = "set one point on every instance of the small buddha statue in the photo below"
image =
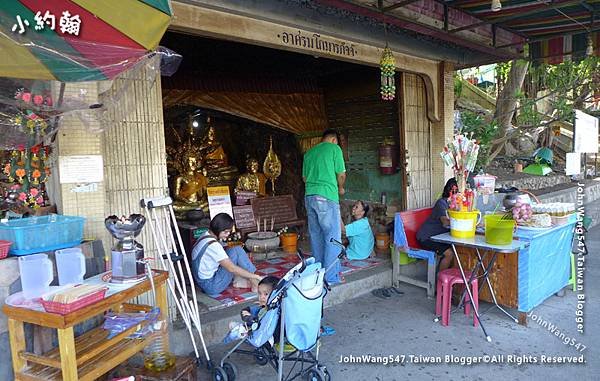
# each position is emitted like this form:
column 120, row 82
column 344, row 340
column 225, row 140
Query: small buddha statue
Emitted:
column 252, row 181
column 212, row 151
column 190, row 188
column 215, row 161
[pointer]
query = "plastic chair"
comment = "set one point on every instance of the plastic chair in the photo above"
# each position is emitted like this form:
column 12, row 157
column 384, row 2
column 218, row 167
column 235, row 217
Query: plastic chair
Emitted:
column 445, row 280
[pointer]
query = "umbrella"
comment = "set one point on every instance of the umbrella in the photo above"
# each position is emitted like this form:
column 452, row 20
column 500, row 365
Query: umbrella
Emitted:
column 78, row 40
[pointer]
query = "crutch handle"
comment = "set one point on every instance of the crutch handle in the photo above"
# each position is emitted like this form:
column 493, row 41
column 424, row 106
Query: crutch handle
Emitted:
column 155, row 202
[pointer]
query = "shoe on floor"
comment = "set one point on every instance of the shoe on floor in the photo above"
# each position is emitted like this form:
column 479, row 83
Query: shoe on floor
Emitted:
column 327, row 330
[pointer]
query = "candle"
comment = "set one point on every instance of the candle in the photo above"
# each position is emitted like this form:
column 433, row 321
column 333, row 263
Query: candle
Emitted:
column 272, row 222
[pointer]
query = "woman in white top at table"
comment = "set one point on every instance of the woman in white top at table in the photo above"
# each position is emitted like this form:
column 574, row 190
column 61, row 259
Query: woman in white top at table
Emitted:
column 215, row 267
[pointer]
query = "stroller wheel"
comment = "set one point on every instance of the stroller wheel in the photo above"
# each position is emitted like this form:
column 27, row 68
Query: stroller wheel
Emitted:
column 260, row 357
column 219, row 374
column 230, row 370
column 325, row 371
column 316, row 375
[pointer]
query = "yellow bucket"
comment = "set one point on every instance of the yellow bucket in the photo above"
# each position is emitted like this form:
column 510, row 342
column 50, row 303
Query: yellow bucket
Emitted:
column 498, row 230
column 463, row 224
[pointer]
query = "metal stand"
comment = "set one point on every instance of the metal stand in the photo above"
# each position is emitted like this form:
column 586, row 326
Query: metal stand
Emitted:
column 486, row 273
column 468, row 290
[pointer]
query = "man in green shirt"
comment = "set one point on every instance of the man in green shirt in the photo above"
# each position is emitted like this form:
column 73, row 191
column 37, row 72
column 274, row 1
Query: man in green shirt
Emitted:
column 324, row 174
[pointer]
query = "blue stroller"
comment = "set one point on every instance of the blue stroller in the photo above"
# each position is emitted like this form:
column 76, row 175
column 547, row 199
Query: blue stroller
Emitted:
column 296, row 305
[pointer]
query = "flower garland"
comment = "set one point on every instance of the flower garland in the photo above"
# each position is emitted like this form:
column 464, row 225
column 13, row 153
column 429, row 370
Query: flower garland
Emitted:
column 31, row 121
column 388, row 71
column 28, row 172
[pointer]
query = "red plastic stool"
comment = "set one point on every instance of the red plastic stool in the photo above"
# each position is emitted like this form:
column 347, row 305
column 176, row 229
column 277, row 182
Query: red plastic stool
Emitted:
column 445, row 280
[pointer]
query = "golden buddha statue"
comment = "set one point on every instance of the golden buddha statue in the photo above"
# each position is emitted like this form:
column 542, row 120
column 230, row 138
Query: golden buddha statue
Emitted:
column 252, row 181
column 211, row 150
column 215, row 160
column 190, row 188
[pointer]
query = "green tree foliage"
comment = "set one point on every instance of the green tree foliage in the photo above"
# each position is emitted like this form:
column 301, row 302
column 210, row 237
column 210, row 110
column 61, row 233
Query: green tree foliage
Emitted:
column 483, row 131
column 567, row 86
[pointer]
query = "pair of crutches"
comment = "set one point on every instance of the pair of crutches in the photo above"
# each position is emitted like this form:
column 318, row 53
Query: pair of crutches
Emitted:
column 171, row 254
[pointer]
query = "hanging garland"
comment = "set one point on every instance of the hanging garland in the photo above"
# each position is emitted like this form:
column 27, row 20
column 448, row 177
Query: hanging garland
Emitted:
column 388, row 71
column 28, row 172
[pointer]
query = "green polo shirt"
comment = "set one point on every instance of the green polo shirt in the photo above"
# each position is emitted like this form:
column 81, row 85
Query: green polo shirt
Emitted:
column 322, row 164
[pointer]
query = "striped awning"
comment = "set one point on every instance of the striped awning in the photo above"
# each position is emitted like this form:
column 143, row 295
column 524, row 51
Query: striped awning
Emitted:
column 78, row 40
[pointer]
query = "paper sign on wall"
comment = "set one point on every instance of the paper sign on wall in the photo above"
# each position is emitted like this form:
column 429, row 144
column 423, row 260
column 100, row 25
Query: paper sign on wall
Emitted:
column 573, row 166
column 586, row 133
column 219, row 201
column 81, row 169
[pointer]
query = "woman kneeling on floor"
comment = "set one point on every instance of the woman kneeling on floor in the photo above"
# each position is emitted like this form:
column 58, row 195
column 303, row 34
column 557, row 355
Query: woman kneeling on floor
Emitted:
column 359, row 233
column 215, row 267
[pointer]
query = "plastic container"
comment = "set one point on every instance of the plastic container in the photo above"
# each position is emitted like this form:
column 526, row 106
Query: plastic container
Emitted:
column 499, row 231
column 36, row 275
column 403, row 258
column 463, row 224
column 289, row 242
column 382, row 242
column 485, row 184
column 45, row 233
column 4, row 247
column 70, row 265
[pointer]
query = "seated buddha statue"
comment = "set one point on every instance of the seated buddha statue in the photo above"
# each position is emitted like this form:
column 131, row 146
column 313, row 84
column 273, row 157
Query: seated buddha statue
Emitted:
column 190, row 188
column 212, row 151
column 252, row 181
column 215, row 160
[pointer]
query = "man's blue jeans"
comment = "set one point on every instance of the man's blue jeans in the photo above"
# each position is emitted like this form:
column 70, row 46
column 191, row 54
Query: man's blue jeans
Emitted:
column 323, row 224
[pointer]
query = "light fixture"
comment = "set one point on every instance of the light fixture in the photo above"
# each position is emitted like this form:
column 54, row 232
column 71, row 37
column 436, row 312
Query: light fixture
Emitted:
column 195, row 123
column 589, row 51
column 496, row 5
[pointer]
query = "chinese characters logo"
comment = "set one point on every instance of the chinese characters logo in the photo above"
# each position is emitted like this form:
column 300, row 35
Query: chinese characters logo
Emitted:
column 68, row 24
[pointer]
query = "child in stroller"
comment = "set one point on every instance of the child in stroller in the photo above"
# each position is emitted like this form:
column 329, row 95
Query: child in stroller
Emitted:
column 295, row 306
column 252, row 314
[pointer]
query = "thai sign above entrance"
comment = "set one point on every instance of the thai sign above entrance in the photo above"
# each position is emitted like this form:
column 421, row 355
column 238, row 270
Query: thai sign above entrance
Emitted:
column 316, row 42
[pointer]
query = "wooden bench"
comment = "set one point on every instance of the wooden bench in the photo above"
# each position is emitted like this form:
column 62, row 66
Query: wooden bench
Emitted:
column 279, row 209
column 406, row 225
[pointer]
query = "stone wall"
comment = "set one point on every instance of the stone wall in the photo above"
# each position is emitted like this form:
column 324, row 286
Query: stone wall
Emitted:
column 531, row 182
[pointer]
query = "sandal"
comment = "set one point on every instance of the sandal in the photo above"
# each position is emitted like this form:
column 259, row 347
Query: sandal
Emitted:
column 396, row 290
column 327, row 330
column 381, row 293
